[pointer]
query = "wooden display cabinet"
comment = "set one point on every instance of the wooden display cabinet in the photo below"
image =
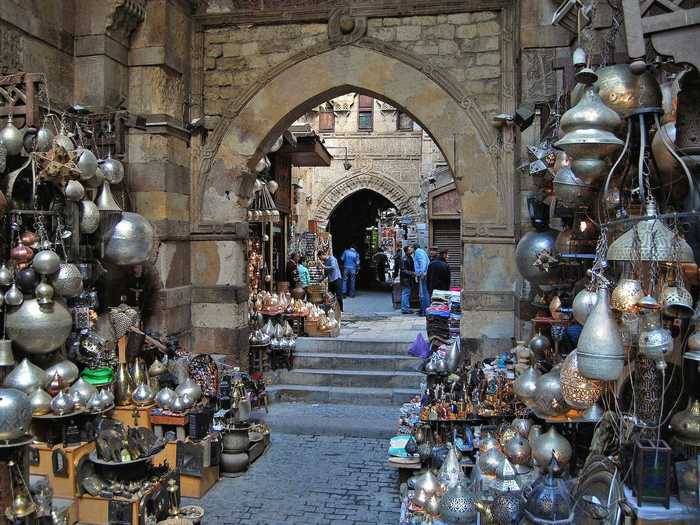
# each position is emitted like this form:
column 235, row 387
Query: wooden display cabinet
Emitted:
column 133, row 416
column 59, row 465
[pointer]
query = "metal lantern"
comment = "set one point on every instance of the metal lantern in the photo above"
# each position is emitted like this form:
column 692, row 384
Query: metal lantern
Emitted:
column 450, row 472
column 11, row 137
column 506, row 478
column 530, row 247
column 129, row 242
column 549, row 399
column 654, row 340
column 686, row 423
column 589, row 133
column 66, row 370
column 540, row 344
column 626, row 294
column 628, row 93
column 490, row 461
column 525, row 386
column 583, row 304
column 518, row 451
column 87, row 163
column 571, row 191
column 46, row 262
column 656, row 242
column 601, row 354
column 549, row 501
column 458, row 505
column 39, row 329
column 15, row 414
column 578, row 391
column 89, row 217
column 112, row 169
column 68, row 282
column 551, row 445
column 26, row 377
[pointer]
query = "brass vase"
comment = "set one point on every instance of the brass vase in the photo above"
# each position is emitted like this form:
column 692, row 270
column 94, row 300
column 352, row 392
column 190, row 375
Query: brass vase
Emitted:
column 124, row 386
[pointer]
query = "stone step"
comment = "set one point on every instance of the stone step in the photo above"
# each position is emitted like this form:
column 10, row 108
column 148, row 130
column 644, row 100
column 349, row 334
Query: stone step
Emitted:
column 371, row 362
column 344, row 395
column 338, row 345
column 351, row 378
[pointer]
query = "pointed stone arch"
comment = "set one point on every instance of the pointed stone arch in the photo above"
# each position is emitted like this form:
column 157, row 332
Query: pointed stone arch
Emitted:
column 341, row 190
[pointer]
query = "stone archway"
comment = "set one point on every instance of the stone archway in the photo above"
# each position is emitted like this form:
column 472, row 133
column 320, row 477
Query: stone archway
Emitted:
column 480, row 155
column 338, row 192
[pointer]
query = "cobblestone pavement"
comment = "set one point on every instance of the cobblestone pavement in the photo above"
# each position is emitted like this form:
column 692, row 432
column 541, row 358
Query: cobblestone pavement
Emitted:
column 307, row 480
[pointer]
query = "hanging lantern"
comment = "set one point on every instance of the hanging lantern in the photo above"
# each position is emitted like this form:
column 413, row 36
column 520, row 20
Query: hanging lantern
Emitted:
column 525, row 386
column 571, row 191
column 528, row 256
column 654, row 340
column 601, row 354
column 627, row 293
column 583, row 305
column 549, row 500
column 578, row 391
column 589, row 133
column 656, row 242
column 549, row 399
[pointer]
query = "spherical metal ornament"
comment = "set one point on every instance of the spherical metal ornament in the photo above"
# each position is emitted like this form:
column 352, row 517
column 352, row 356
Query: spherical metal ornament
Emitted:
column 12, row 138
column 26, row 376
column 532, row 245
column 626, row 295
column 583, row 305
column 129, row 242
column 522, row 425
column 6, row 275
column 68, row 282
column 190, row 387
column 518, row 451
column 27, row 279
column 551, row 444
column 39, row 329
column 89, row 217
column 112, row 170
column 41, row 141
column 62, row 404
column 74, row 191
column 143, row 395
column 187, row 401
column 490, row 461
column 540, row 344
column 571, row 191
column 66, row 370
column 44, row 293
column 627, row 93
column 15, row 414
column 64, row 141
column 81, row 391
column 40, row 402
column 96, row 181
column 525, row 386
column 549, row 399
column 46, row 262
column 87, row 163
column 106, row 397
column 578, row 391
column 165, row 398
column 14, row 296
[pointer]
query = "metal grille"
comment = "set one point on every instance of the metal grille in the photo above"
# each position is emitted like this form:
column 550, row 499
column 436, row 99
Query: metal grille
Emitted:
column 447, row 235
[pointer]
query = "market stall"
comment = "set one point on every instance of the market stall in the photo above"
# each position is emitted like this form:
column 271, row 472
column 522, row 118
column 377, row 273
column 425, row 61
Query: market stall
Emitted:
column 101, row 421
column 593, row 417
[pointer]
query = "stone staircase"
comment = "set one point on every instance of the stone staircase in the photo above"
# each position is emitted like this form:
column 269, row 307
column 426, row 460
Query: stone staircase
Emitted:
column 352, row 371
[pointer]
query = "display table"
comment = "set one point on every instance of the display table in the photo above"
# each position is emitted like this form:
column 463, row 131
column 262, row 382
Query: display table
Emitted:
column 657, row 514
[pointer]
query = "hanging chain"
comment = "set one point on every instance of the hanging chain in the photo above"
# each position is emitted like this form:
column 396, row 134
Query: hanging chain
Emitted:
column 600, row 262
column 676, row 254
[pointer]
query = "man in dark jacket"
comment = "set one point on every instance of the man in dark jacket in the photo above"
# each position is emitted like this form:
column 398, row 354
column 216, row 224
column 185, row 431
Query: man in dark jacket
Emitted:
column 408, row 279
column 439, row 273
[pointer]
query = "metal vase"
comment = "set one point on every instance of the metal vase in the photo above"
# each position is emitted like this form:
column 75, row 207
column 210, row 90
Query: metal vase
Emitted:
column 124, row 386
column 601, row 354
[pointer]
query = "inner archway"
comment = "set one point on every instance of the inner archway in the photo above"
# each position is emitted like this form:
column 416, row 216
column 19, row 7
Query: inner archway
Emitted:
column 354, row 222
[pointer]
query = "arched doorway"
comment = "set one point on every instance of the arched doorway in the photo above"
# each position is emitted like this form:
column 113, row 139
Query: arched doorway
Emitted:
column 353, row 222
column 479, row 155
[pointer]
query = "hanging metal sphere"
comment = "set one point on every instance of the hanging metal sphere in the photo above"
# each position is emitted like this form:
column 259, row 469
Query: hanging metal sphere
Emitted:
column 518, row 450
column 583, row 305
column 46, row 262
column 96, row 181
column 87, row 163
column 89, row 217
column 15, row 414
column 626, row 295
column 530, row 246
column 74, row 191
column 540, row 344
column 68, row 282
column 525, row 386
column 21, row 253
column 571, row 191
column 39, row 329
column 64, row 141
column 11, row 138
column 578, row 391
column 41, row 141
column 14, row 296
column 549, row 399
column 113, row 170
column 27, row 279
column 129, row 241
column 44, row 293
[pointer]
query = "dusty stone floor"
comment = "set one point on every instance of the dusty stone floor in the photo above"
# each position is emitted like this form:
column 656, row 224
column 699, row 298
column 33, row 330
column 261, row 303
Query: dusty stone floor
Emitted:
column 314, row 472
column 370, row 316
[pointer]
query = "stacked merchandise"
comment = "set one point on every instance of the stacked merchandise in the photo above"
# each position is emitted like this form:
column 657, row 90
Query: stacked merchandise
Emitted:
column 437, row 318
column 455, row 313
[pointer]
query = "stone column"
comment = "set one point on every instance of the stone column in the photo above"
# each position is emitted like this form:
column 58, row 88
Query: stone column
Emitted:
column 159, row 156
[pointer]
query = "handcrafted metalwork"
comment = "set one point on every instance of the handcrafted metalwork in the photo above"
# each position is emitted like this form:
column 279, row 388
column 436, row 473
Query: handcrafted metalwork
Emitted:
column 15, row 414
column 531, row 246
column 600, row 351
column 39, row 329
column 579, row 391
column 26, row 377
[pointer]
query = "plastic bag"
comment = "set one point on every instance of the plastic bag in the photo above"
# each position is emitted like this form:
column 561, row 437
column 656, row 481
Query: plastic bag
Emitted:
column 419, row 347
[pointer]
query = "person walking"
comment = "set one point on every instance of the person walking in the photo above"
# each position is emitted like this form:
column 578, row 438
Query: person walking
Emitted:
column 304, row 275
column 351, row 265
column 330, row 265
column 421, row 262
column 408, row 278
column 439, row 273
column 381, row 261
column 398, row 258
column 291, row 270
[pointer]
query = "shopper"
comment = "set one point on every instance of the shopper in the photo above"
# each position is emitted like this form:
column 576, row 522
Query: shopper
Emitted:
column 304, row 275
column 330, row 265
column 291, row 270
column 439, row 273
column 351, row 266
column 381, row 262
column 398, row 258
column 420, row 258
column 408, row 279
